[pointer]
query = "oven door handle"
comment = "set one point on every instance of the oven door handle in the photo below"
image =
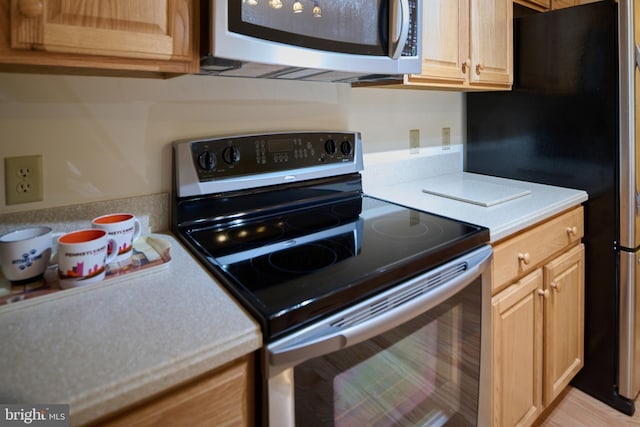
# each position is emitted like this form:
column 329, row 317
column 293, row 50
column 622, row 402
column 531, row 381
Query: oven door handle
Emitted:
column 376, row 315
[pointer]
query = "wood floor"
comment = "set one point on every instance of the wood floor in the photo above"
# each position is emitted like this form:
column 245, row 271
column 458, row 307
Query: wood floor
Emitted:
column 577, row 409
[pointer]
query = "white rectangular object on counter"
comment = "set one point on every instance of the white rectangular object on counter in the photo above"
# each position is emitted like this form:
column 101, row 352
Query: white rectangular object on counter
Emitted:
column 465, row 189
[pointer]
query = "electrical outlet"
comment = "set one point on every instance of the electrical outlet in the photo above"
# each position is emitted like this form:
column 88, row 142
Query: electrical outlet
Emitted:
column 446, row 138
column 414, row 141
column 23, row 179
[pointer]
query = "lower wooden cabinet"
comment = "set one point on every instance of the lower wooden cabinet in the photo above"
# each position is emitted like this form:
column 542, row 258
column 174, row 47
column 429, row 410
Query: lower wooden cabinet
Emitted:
column 517, row 352
column 563, row 321
column 538, row 323
column 223, row 397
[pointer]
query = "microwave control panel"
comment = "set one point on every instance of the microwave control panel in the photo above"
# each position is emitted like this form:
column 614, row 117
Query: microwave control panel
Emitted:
column 412, row 45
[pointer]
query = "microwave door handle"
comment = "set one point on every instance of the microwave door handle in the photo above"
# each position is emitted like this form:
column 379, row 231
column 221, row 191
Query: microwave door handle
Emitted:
column 398, row 26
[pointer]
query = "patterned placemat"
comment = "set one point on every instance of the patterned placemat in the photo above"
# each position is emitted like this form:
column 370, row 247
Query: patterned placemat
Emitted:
column 149, row 253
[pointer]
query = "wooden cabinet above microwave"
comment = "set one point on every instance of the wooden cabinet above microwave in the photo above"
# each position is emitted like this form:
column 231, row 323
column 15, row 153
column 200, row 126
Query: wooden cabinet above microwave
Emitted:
column 145, row 37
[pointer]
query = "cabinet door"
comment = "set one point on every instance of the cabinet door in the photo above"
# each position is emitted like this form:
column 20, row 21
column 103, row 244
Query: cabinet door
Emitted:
column 151, row 29
column 222, row 398
column 517, row 352
column 563, row 321
column 445, row 40
column 491, row 42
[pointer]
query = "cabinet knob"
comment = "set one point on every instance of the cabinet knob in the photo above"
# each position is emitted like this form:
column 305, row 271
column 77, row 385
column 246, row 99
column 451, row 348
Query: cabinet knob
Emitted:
column 543, row 293
column 524, row 257
column 465, row 66
column 479, row 68
column 572, row 231
column 555, row 286
column 31, row 8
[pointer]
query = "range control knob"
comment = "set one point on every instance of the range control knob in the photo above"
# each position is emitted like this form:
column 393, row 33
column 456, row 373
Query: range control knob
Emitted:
column 330, row 146
column 207, row 160
column 346, row 148
column 231, row 155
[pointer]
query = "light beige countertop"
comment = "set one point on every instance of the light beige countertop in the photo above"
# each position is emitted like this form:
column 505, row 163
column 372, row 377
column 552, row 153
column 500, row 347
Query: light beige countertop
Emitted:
column 104, row 346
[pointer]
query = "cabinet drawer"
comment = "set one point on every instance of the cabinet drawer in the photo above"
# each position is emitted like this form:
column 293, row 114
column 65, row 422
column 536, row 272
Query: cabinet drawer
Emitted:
column 522, row 253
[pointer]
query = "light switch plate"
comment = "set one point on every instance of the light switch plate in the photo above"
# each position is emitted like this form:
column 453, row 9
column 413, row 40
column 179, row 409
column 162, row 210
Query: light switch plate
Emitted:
column 446, row 138
column 23, row 179
column 414, row 141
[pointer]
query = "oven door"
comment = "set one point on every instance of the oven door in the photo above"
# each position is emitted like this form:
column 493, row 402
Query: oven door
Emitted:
column 417, row 354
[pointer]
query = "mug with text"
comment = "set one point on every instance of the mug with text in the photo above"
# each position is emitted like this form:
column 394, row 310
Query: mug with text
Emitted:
column 124, row 228
column 82, row 257
column 25, row 253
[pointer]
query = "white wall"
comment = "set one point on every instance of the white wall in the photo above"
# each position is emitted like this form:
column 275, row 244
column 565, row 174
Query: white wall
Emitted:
column 104, row 138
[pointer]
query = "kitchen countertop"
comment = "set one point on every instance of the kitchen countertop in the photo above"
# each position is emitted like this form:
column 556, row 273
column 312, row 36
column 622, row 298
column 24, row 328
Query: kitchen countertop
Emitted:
column 104, row 346
column 411, row 176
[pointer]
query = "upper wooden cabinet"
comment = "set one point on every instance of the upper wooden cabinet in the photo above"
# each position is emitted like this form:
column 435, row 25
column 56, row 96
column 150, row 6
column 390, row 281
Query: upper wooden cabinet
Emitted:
column 541, row 5
column 546, row 5
column 145, row 35
column 466, row 45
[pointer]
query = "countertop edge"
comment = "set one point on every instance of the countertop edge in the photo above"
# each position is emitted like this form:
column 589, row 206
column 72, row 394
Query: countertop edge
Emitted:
column 508, row 229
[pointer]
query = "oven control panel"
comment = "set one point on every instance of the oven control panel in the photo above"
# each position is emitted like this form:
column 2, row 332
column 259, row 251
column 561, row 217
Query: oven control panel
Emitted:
column 254, row 154
column 265, row 159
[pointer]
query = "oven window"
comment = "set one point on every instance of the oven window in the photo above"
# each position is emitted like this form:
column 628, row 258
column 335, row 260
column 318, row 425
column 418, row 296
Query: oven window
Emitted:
column 356, row 26
column 425, row 372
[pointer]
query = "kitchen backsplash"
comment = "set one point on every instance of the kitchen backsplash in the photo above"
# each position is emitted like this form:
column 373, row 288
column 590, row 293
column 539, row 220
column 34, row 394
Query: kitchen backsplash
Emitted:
column 105, row 138
column 395, row 167
column 151, row 210
column 381, row 168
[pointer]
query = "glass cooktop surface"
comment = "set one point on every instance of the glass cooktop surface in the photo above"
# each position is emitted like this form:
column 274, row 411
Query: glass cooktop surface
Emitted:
column 295, row 266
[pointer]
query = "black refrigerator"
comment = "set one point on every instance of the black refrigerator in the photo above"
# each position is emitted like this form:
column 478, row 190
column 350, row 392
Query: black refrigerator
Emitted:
column 570, row 121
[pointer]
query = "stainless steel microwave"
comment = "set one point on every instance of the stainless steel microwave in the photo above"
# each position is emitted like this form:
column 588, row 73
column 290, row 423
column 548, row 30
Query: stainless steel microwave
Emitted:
column 325, row 40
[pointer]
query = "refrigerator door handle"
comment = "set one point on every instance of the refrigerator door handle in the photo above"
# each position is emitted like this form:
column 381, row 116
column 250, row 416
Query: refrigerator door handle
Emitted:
column 637, row 55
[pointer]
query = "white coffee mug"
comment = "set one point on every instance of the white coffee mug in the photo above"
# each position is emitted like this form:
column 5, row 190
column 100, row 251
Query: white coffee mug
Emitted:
column 25, row 253
column 82, row 257
column 124, row 228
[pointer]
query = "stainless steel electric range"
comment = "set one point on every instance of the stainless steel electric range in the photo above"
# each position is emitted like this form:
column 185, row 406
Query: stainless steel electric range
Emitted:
column 372, row 313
